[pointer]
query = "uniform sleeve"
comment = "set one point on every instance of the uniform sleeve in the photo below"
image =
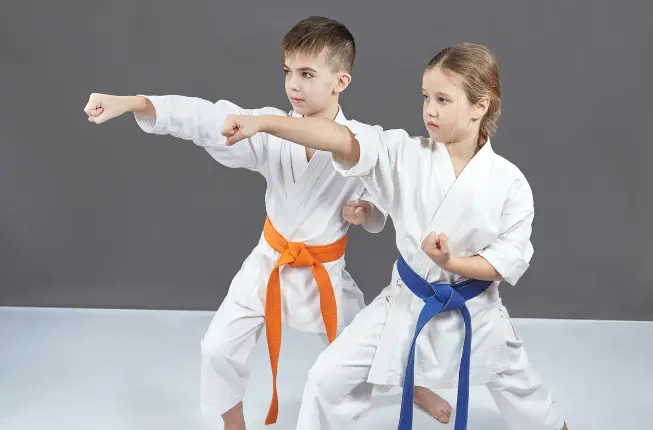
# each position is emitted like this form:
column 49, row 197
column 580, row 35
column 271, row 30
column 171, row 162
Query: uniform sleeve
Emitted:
column 510, row 254
column 201, row 121
column 376, row 222
column 382, row 157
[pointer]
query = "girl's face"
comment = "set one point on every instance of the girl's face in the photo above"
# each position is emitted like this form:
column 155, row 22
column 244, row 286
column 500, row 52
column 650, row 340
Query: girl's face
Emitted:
column 447, row 113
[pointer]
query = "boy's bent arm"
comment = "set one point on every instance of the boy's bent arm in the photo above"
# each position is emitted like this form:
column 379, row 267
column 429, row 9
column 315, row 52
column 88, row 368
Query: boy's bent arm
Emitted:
column 378, row 216
column 325, row 135
column 376, row 221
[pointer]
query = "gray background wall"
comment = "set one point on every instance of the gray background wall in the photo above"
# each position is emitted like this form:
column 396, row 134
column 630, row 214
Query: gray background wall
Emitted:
column 111, row 217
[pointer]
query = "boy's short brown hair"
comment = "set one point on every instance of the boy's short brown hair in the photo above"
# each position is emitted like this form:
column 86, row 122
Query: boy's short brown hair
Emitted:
column 314, row 34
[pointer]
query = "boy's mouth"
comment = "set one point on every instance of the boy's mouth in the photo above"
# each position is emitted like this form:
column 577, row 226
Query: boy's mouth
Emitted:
column 296, row 100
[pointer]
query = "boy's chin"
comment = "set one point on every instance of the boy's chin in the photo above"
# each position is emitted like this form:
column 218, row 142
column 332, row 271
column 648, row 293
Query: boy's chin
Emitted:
column 302, row 110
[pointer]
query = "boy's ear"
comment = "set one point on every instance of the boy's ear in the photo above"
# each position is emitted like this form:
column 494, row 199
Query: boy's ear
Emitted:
column 343, row 82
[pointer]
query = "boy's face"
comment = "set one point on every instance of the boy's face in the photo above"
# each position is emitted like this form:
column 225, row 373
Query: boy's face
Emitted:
column 312, row 85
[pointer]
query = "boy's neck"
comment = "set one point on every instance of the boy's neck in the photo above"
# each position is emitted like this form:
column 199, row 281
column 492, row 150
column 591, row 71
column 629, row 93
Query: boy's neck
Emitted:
column 330, row 112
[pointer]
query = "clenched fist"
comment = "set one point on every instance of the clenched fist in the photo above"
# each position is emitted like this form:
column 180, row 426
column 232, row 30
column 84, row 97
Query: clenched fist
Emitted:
column 103, row 107
column 357, row 211
column 436, row 246
column 239, row 127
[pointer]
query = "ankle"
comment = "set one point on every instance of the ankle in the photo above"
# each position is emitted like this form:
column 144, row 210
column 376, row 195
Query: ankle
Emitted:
column 234, row 418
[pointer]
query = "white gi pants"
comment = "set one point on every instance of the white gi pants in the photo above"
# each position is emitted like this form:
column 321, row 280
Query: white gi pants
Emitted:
column 230, row 339
column 337, row 394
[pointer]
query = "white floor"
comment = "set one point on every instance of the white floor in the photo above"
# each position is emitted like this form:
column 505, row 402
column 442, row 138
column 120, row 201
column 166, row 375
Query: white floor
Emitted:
column 65, row 369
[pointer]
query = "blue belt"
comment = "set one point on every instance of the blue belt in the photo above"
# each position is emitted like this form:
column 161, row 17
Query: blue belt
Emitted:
column 439, row 298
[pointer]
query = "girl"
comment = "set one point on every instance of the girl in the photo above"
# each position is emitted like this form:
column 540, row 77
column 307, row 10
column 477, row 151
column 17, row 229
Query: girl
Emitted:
column 462, row 216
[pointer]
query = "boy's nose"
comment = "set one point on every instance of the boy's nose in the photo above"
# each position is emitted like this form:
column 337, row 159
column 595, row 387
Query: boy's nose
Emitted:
column 292, row 85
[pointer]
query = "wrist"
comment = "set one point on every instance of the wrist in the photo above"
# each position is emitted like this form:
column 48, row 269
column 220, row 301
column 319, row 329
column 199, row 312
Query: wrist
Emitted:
column 451, row 265
column 265, row 124
column 135, row 104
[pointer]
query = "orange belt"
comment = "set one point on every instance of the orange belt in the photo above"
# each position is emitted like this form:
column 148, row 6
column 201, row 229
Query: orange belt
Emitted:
column 297, row 255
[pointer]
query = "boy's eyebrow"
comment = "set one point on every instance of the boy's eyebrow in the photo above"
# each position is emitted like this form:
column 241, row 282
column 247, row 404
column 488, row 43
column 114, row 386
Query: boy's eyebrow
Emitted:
column 302, row 69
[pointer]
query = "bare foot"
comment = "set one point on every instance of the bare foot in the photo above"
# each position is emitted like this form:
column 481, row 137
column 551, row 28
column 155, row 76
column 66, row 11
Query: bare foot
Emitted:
column 234, row 419
column 435, row 405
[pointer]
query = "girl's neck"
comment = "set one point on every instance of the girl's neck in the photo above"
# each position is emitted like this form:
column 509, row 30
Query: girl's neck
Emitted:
column 464, row 150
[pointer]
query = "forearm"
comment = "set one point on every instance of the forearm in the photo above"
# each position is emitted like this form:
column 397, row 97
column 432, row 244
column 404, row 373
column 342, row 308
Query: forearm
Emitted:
column 316, row 133
column 138, row 104
column 475, row 267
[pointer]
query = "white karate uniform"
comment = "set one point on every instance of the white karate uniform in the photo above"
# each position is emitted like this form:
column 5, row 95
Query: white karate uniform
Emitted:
column 487, row 211
column 303, row 201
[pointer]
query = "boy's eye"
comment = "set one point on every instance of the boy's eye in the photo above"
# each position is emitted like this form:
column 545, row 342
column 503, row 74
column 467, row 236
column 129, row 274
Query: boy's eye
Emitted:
column 425, row 96
column 286, row 71
column 307, row 75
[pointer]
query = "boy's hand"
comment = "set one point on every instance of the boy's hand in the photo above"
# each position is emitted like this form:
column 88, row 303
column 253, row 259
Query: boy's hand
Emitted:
column 239, row 127
column 436, row 246
column 357, row 211
column 103, row 107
